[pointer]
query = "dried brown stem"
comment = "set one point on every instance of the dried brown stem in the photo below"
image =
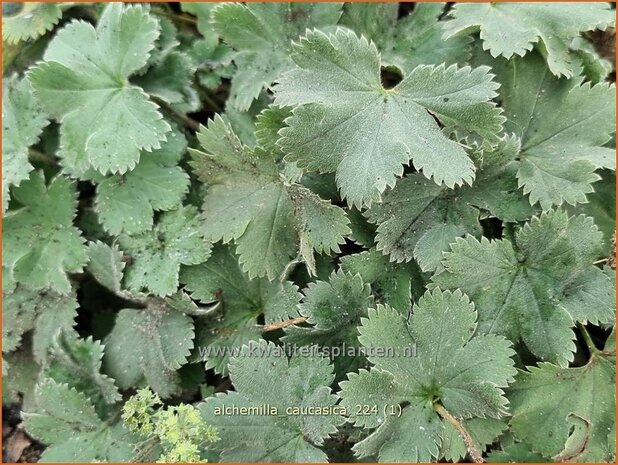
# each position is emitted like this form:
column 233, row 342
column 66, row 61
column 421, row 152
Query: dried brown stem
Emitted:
column 283, row 324
column 475, row 454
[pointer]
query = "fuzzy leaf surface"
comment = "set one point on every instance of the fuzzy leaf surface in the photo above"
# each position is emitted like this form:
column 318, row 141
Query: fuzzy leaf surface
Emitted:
column 47, row 313
column 157, row 254
column 563, row 126
column 334, row 310
column 435, row 215
column 248, row 201
column 31, row 20
column 243, row 301
column 23, row 119
column 67, row 422
column 413, row 40
column 348, row 123
column 40, row 245
column 526, row 290
column 515, row 28
column 126, row 203
column 83, row 83
column 261, row 34
column 77, row 363
column 282, row 438
column 150, row 343
column 540, row 407
column 450, row 365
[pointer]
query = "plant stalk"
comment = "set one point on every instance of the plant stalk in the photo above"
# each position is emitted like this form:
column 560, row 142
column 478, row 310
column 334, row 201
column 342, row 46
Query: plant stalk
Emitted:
column 283, row 324
column 586, row 335
column 475, row 454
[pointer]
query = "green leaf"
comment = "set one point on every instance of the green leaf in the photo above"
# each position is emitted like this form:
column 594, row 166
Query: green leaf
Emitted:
column 284, row 437
column 248, row 201
column 40, row 245
column 526, row 289
column 516, row 453
column 83, row 83
column 543, row 397
column 126, row 203
column 203, row 12
column 77, row 363
column 66, row 421
column 46, row 312
column 509, row 29
column 262, row 34
column 601, row 206
column 150, row 343
column 348, row 123
column 27, row 21
column 593, row 296
column 448, row 365
column 211, row 58
column 169, row 79
column 20, row 373
column 334, row 310
column 23, row 120
column 594, row 68
column 105, row 264
column 18, row 315
column 157, row 254
column 391, row 283
column 483, row 431
column 410, row 41
column 563, row 126
column 243, row 301
column 418, row 219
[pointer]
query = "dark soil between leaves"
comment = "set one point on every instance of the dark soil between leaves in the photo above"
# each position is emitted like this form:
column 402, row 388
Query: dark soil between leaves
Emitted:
column 17, row 446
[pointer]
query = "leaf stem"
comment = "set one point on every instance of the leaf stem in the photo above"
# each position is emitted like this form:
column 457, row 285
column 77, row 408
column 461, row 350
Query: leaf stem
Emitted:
column 509, row 232
column 283, row 324
column 475, row 454
column 184, row 119
column 35, row 155
column 179, row 17
column 144, row 449
column 586, row 335
column 204, row 96
column 285, row 274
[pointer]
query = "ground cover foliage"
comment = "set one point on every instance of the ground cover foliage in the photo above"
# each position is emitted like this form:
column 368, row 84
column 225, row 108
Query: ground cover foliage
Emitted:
column 310, row 232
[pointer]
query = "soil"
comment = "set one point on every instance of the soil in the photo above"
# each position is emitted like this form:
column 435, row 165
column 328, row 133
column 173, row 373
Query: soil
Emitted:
column 17, row 446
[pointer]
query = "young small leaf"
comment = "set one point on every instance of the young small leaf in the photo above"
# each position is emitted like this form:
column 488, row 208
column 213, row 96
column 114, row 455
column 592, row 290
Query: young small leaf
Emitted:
column 156, row 255
column 334, row 310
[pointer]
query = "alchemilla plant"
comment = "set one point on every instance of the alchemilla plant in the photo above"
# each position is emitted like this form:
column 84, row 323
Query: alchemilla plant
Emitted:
column 309, row 232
